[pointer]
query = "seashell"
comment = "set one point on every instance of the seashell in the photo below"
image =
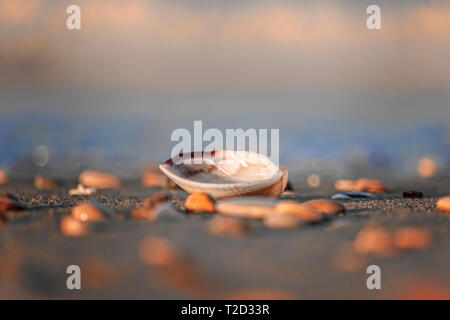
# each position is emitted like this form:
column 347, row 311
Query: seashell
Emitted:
column 99, row 180
column 226, row 174
column 80, row 190
column 351, row 195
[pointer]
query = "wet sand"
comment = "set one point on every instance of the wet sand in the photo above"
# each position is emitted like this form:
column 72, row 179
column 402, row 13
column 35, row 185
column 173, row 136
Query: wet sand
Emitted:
column 313, row 262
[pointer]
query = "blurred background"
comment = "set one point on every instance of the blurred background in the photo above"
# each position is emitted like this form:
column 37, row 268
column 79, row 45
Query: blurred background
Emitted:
column 114, row 91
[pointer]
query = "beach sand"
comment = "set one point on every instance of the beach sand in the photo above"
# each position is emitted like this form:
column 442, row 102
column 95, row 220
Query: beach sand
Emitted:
column 314, row 262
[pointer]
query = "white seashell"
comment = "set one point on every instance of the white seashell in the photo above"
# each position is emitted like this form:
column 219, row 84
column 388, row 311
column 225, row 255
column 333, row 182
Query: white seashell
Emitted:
column 226, row 174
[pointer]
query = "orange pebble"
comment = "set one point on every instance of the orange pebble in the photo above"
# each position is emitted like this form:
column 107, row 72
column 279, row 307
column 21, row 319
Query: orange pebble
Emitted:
column 3, row 177
column 373, row 240
column 200, row 202
column 43, row 183
column 412, row 238
column 344, row 185
column 443, row 204
column 276, row 221
column 296, row 209
column 369, row 185
column 224, row 226
column 427, row 168
column 159, row 252
column 325, row 206
column 71, row 227
column 87, row 212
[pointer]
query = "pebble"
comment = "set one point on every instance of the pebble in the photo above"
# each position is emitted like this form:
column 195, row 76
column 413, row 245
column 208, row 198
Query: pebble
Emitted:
column 373, row 240
column 3, row 177
column 443, row 204
column 292, row 208
column 351, row 195
column 325, row 206
column 370, row 186
column 251, row 207
column 276, row 221
column 87, row 212
column 99, row 180
column 426, row 168
column 9, row 202
column 71, row 227
column 43, row 183
column 412, row 194
column 158, row 252
column 153, row 179
column 360, row 185
column 344, row 185
column 413, row 238
column 200, row 202
column 226, row 226
column 81, row 190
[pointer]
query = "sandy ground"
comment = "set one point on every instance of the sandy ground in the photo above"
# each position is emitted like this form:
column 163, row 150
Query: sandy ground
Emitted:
column 313, row 262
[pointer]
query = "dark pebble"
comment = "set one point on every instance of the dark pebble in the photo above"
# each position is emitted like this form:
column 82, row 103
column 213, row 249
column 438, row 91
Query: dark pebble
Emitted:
column 412, row 194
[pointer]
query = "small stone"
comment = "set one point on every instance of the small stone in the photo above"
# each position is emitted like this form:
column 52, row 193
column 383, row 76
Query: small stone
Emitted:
column 43, row 183
column 351, row 195
column 413, row 238
column 71, row 227
column 99, row 180
column 344, row 185
column 292, row 208
column 81, row 190
column 3, row 177
column 87, row 212
column 370, row 186
column 412, row 194
column 443, row 204
column 276, row 221
column 427, row 168
column 251, row 207
column 225, row 226
column 325, row 206
column 9, row 202
column 374, row 240
column 153, row 179
column 158, row 252
column 200, row 202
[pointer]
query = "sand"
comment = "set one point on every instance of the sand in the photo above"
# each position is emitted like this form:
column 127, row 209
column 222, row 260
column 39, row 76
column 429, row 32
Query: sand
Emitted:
column 313, row 262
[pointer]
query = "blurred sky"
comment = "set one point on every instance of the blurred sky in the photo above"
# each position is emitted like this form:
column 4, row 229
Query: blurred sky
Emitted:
column 310, row 68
